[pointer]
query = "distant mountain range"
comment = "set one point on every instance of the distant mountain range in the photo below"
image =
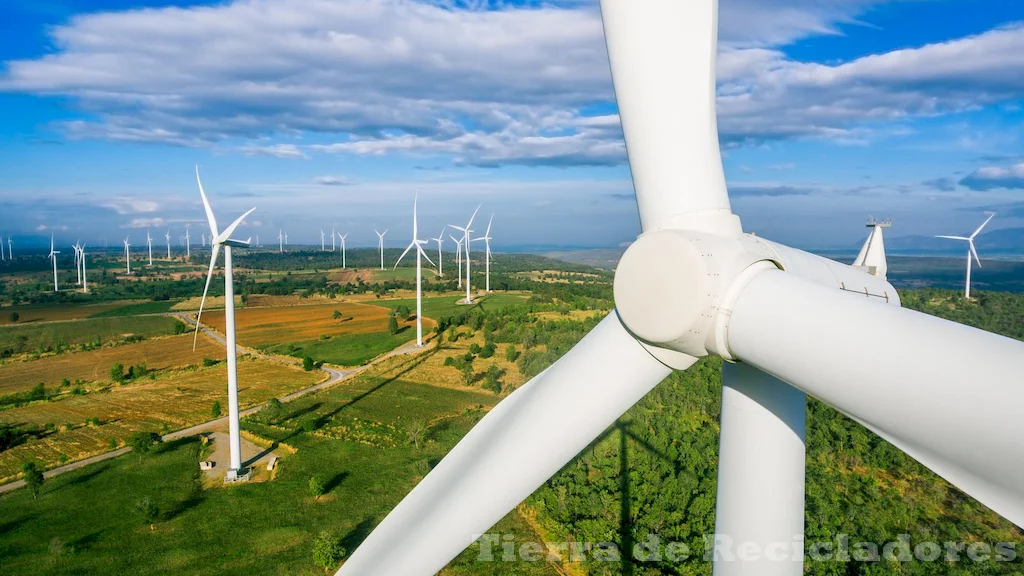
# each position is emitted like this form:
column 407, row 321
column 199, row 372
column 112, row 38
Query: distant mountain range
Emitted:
column 997, row 242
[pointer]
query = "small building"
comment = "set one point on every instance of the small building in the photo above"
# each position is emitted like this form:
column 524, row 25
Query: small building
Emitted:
column 208, row 465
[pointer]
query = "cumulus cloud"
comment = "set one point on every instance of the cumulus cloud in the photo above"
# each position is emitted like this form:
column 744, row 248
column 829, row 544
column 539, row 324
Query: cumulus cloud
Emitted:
column 992, row 177
column 487, row 87
column 125, row 206
column 146, row 223
column 332, row 181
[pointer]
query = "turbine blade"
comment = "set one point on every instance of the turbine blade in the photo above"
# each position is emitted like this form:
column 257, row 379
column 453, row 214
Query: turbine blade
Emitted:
column 471, row 218
column 907, row 376
column 488, row 232
column 424, row 254
column 970, row 243
column 209, row 276
column 230, row 229
column 407, row 248
column 954, row 237
column 521, row 443
column 206, row 206
column 983, row 224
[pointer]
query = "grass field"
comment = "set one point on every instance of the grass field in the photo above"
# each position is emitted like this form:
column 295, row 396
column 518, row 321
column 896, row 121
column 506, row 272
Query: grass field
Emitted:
column 148, row 307
column 436, row 307
column 178, row 399
column 161, row 353
column 359, row 335
column 93, row 510
column 31, row 338
column 54, row 312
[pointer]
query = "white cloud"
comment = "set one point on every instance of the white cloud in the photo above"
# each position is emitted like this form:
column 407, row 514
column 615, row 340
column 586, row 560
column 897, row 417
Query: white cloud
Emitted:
column 992, row 177
column 484, row 87
column 147, row 223
column 125, row 206
column 332, row 181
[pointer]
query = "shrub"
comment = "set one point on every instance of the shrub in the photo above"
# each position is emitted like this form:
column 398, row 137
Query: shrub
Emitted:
column 488, row 350
column 65, row 382
column 63, row 458
column 474, row 348
column 467, row 374
column 117, row 372
column 511, row 354
column 142, row 442
column 415, row 431
column 307, row 364
column 317, row 486
column 336, row 315
column 215, row 409
column 491, row 379
column 147, row 510
column 392, row 325
column 207, row 362
column 15, row 316
column 33, row 477
column 327, row 551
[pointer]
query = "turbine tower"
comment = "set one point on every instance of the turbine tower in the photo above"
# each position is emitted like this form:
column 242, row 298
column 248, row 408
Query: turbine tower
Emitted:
column 418, row 244
column 458, row 256
column 53, row 256
column 127, row 255
column 465, row 242
column 188, row 244
column 149, row 244
column 380, row 245
column 871, row 258
column 693, row 284
column 81, row 261
column 10, row 248
column 323, row 239
column 2, row 256
column 342, row 238
column 280, row 242
column 218, row 239
column 440, row 256
column 333, row 232
column 487, row 254
column 203, row 239
column 78, row 256
column 971, row 251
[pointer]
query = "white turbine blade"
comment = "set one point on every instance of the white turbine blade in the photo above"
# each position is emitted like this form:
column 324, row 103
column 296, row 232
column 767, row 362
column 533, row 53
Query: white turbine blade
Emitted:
column 206, row 206
column 424, row 254
column 209, row 276
column 970, row 244
column 230, row 229
column 456, row 240
column 521, row 443
column 488, row 232
column 466, row 229
column 954, row 237
column 944, row 393
column 407, row 248
column 663, row 57
column 459, row 228
column 983, row 224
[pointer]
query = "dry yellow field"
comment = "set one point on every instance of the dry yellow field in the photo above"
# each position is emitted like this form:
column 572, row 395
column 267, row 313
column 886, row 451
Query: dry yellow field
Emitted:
column 158, row 354
column 211, row 302
column 54, row 313
column 258, row 327
column 179, row 400
column 557, row 276
column 267, row 300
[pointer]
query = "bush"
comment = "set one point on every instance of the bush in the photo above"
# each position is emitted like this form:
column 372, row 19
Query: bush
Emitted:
column 273, row 409
column 147, row 510
column 317, row 486
column 474, row 348
column 215, row 409
column 117, row 372
column 308, row 364
column 415, row 431
column 33, row 477
column 467, row 374
column 392, row 325
column 336, row 315
column 142, row 442
column 65, row 382
column 488, row 350
column 207, row 362
column 491, row 379
column 511, row 354
column 327, row 551
column 15, row 316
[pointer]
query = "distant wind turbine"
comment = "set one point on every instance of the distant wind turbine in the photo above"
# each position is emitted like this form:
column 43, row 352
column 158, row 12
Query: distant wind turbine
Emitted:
column 81, row 262
column 440, row 257
column 10, row 248
column 53, row 256
column 971, row 251
column 458, row 256
column 466, row 231
column 218, row 239
column 332, row 238
column 280, row 242
column 2, row 257
column 380, row 245
column 78, row 269
column 149, row 244
column 487, row 254
column 127, row 255
column 188, row 244
column 323, row 246
column 168, row 237
column 342, row 238
column 418, row 244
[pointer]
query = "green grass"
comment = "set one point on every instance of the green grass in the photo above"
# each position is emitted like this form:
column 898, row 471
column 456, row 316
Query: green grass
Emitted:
column 437, row 307
column 140, row 308
column 346, row 349
column 93, row 510
column 30, row 338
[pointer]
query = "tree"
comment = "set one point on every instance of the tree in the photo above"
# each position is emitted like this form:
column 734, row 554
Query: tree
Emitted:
column 392, row 325
column 147, row 510
column 33, row 477
column 15, row 316
column 416, row 430
column 308, row 364
column 467, row 374
column 403, row 311
column 273, row 409
column 491, row 381
column 317, row 486
column 215, row 409
column 117, row 372
column 511, row 354
column 142, row 442
column 327, row 551
column 336, row 315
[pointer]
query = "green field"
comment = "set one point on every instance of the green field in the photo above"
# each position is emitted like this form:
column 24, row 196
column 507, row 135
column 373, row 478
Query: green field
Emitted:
column 42, row 337
column 157, row 307
column 358, row 446
column 437, row 307
column 347, row 349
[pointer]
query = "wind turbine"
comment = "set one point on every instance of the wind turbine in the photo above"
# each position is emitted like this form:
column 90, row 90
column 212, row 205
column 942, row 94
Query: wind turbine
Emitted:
column 81, row 261
column 2, row 257
column 257, row 240
column 458, row 256
column 693, row 284
column 218, row 239
column 53, row 256
column 203, row 239
column 440, row 256
column 280, row 242
column 418, row 244
column 286, row 238
column 168, row 237
column 332, row 238
column 323, row 239
column 380, row 245
column 10, row 248
column 487, row 254
column 188, row 244
column 149, row 244
column 465, row 242
column 127, row 255
column 342, row 238
column 78, row 268
column 971, row 251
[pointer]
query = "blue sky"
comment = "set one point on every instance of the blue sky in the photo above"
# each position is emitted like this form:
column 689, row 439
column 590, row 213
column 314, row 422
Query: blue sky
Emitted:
column 324, row 113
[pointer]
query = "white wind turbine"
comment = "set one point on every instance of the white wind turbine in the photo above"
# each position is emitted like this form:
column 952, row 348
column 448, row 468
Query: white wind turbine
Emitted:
column 971, row 251
column 342, row 238
column 380, row 245
column 418, row 244
column 127, row 255
column 458, row 256
column 218, row 239
column 323, row 241
column 286, row 238
column 440, row 255
column 53, row 256
column 81, row 262
column 789, row 323
column 257, row 240
column 280, row 242
column 78, row 256
column 465, row 242
column 333, row 232
column 167, row 238
column 188, row 244
column 487, row 254
column 149, row 244
column 10, row 247
column 2, row 256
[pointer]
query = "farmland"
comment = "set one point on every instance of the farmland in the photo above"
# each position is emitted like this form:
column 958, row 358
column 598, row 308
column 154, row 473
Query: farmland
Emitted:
column 175, row 400
column 40, row 338
column 53, row 313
